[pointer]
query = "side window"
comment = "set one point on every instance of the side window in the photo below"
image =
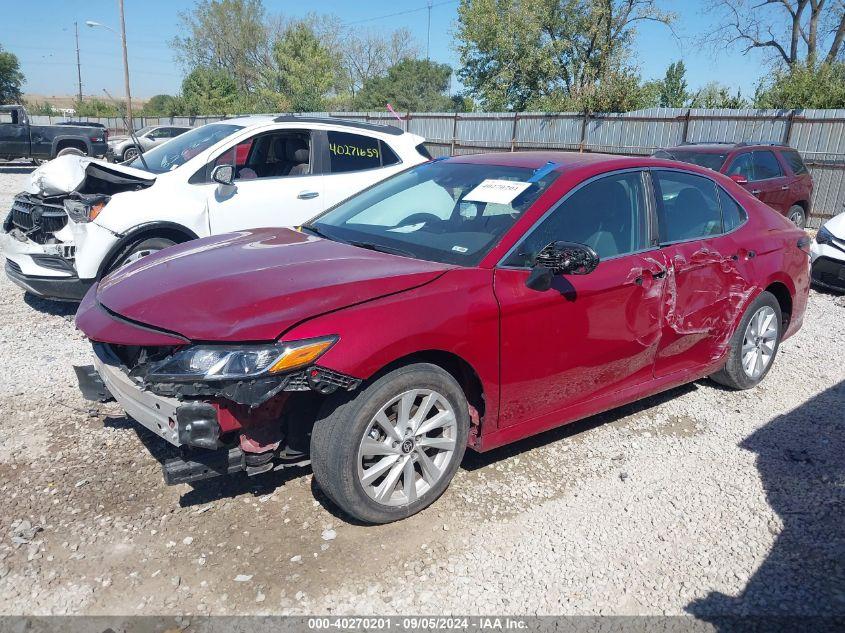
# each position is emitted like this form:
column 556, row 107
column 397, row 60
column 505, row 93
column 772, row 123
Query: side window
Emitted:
column 741, row 166
column 687, row 206
column 6, row 117
column 793, row 159
column 159, row 134
column 271, row 155
column 608, row 214
column 732, row 214
column 766, row 165
column 353, row 152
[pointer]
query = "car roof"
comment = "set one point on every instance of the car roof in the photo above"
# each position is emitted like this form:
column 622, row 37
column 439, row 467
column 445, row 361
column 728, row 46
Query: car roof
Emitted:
column 562, row 159
column 263, row 119
column 718, row 147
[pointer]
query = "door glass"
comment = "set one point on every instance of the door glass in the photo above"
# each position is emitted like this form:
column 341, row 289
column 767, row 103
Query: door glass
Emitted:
column 353, row 152
column 273, row 155
column 608, row 215
column 687, row 206
column 793, row 159
column 732, row 214
column 765, row 165
column 6, row 117
column 741, row 166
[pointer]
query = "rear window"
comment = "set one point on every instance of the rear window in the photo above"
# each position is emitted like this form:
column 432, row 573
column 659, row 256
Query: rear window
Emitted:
column 793, row 159
column 710, row 160
column 765, row 165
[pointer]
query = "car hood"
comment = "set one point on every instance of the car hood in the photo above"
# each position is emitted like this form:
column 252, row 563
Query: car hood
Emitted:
column 836, row 226
column 66, row 174
column 254, row 285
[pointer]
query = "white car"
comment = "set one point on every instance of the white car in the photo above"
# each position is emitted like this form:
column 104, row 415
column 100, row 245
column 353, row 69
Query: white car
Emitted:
column 123, row 148
column 827, row 255
column 81, row 218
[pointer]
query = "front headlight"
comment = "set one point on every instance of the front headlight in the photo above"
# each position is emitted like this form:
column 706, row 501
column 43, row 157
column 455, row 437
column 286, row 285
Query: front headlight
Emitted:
column 824, row 236
column 86, row 209
column 232, row 362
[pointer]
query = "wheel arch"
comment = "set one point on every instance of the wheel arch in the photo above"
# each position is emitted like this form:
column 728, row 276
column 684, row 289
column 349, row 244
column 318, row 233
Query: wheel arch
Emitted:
column 458, row 367
column 169, row 230
column 62, row 142
column 782, row 293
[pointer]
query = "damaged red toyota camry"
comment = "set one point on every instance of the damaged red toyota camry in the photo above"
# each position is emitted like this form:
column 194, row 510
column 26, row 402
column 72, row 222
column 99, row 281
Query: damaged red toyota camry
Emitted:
column 471, row 301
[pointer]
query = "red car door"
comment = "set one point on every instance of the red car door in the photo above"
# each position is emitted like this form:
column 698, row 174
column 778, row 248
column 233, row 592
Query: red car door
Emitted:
column 765, row 178
column 590, row 334
column 707, row 284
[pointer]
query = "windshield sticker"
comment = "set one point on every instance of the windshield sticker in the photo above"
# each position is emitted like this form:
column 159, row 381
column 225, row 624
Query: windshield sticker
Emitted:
column 496, row 191
column 460, row 249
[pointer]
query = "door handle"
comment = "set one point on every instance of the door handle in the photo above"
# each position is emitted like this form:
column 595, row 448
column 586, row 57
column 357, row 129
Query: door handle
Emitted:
column 755, row 192
column 307, row 195
column 660, row 273
column 785, row 188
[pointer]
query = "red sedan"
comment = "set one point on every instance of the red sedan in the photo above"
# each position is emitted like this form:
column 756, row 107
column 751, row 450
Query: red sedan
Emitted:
column 471, row 301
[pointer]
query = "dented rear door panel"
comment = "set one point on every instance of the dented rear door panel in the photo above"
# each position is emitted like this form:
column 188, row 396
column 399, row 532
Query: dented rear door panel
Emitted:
column 709, row 283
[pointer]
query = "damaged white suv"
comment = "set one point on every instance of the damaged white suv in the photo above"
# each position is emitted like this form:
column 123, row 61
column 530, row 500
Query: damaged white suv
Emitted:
column 79, row 218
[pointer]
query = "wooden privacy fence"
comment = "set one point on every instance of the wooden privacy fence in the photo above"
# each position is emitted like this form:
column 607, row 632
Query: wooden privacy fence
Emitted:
column 818, row 134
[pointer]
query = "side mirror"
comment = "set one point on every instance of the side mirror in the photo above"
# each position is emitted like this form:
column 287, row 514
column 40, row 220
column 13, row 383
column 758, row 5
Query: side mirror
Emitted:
column 561, row 258
column 739, row 179
column 223, row 175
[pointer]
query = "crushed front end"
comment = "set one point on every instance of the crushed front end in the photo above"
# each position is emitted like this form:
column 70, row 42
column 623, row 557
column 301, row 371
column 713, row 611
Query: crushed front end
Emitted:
column 228, row 408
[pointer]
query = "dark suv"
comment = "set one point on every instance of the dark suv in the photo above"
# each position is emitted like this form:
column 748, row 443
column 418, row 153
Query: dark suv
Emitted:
column 773, row 172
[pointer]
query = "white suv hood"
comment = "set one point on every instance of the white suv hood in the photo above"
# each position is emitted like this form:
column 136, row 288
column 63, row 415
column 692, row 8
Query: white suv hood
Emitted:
column 65, row 174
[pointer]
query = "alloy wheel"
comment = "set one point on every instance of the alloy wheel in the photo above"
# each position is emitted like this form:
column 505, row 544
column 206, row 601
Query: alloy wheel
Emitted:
column 407, row 447
column 136, row 255
column 758, row 346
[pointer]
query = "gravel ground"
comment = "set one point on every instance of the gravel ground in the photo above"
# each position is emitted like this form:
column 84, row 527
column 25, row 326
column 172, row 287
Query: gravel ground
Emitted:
column 700, row 500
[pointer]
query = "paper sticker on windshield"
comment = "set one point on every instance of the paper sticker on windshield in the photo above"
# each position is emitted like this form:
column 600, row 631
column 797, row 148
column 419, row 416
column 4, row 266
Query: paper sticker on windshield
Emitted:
column 497, row 191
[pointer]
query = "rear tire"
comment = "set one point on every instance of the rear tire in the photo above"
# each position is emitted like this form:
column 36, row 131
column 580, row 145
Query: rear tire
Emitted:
column 139, row 250
column 754, row 346
column 130, row 153
column 797, row 216
column 372, row 456
column 73, row 151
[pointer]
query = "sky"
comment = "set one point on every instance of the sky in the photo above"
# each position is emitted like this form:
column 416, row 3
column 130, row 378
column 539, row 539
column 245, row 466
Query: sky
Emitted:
column 43, row 39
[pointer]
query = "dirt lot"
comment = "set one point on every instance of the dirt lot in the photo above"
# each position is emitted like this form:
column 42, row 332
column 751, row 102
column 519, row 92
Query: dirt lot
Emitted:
column 700, row 500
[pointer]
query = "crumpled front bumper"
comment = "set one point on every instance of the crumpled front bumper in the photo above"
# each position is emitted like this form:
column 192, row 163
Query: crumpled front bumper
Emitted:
column 828, row 265
column 41, row 270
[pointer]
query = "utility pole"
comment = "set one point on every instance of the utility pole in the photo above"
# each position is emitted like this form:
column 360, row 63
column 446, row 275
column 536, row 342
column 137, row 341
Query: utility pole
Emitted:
column 125, row 66
column 428, row 33
column 78, row 65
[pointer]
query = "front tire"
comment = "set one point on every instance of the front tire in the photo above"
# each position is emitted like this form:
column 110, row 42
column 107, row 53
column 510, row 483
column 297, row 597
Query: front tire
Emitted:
column 754, row 345
column 140, row 250
column 130, row 153
column 391, row 449
column 797, row 216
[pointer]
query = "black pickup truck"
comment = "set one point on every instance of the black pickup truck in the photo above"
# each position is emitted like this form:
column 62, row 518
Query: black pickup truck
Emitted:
column 19, row 139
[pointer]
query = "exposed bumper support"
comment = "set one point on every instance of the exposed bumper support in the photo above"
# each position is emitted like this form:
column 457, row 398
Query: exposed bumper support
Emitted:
column 91, row 385
column 203, row 466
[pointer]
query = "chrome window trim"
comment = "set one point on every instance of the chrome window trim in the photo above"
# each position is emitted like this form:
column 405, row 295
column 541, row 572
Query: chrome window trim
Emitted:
column 650, row 210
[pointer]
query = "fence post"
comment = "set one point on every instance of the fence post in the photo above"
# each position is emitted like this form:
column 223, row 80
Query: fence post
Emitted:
column 787, row 133
column 686, row 127
column 513, row 131
column 454, row 135
column 584, row 122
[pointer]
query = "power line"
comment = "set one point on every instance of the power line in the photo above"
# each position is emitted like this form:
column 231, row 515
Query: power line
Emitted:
column 427, row 7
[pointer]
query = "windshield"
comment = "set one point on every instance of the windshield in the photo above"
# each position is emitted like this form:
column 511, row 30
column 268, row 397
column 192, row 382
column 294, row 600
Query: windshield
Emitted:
column 175, row 152
column 442, row 211
column 710, row 160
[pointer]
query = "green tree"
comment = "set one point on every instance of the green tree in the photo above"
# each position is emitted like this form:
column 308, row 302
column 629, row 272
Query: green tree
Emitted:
column 803, row 87
column 715, row 95
column 210, row 91
column 417, row 85
column 229, row 35
column 11, row 78
column 164, row 105
column 44, row 109
column 307, row 70
column 618, row 91
column 514, row 52
column 98, row 108
column 673, row 89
